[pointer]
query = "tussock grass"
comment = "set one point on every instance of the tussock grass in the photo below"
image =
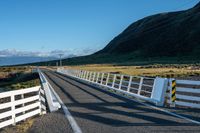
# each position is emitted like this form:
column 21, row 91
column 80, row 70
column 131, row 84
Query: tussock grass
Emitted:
column 12, row 78
column 174, row 70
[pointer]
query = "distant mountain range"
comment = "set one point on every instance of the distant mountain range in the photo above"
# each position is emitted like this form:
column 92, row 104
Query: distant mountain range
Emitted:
column 14, row 60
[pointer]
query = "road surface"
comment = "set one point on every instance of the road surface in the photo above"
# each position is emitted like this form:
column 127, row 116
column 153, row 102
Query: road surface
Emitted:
column 98, row 111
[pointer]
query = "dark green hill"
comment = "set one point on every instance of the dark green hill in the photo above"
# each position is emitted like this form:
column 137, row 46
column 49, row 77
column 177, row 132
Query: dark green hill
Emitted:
column 166, row 34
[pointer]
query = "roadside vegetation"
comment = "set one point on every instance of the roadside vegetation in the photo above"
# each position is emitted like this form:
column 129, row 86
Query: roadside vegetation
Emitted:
column 167, row 70
column 23, row 127
column 12, row 78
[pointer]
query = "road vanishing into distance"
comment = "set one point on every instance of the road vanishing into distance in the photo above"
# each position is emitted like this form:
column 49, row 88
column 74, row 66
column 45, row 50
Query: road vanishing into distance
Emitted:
column 98, row 111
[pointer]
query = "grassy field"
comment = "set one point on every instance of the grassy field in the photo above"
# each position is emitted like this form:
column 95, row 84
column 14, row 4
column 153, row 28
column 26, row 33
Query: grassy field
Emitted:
column 17, row 78
column 6, row 71
column 175, row 70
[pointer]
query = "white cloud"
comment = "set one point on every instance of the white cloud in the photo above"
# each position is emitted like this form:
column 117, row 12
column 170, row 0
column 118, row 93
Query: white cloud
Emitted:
column 53, row 53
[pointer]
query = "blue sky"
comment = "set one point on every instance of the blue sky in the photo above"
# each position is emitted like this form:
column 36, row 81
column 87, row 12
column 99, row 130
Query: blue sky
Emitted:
column 72, row 26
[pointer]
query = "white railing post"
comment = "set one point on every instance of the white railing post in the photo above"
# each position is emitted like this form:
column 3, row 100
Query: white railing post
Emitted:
column 97, row 79
column 121, row 80
column 40, row 107
column 102, row 76
column 22, row 97
column 84, row 75
column 13, row 108
column 90, row 75
column 107, row 79
column 94, row 76
column 129, row 83
column 113, row 83
column 87, row 77
column 140, row 86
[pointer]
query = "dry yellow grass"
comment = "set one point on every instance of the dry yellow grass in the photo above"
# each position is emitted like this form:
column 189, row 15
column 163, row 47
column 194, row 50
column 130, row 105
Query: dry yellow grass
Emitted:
column 21, row 127
column 5, row 71
column 24, row 126
column 138, row 70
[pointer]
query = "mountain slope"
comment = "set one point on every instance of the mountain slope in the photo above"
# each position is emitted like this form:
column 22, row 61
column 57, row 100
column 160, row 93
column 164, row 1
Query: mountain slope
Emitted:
column 167, row 34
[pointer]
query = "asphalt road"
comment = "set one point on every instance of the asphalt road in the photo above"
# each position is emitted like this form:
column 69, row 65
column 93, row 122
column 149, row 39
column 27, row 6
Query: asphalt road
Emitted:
column 99, row 111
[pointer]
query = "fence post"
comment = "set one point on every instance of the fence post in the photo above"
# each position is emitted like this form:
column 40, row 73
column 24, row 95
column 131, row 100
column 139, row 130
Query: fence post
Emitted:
column 140, row 86
column 102, row 78
column 129, row 83
column 107, row 79
column 97, row 79
column 40, row 107
column 120, row 84
column 22, row 97
column 172, row 92
column 84, row 75
column 94, row 76
column 113, row 83
column 13, row 108
column 90, row 75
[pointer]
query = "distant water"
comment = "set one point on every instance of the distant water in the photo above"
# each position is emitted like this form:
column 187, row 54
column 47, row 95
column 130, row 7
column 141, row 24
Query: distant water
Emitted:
column 22, row 60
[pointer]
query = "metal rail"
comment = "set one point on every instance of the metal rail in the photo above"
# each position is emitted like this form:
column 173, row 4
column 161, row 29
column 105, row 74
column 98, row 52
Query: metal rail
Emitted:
column 52, row 101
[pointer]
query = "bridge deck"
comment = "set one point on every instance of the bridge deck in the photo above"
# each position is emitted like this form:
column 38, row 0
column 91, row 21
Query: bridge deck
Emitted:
column 99, row 111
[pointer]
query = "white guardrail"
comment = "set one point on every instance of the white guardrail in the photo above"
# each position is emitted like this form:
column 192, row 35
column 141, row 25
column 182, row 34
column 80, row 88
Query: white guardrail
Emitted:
column 52, row 101
column 187, row 94
column 21, row 104
column 149, row 89
column 155, row 90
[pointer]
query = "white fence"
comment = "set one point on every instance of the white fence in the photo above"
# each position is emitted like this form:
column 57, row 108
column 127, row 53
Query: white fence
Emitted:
column 187, row 93
column 149, row 89
column 21, row 104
